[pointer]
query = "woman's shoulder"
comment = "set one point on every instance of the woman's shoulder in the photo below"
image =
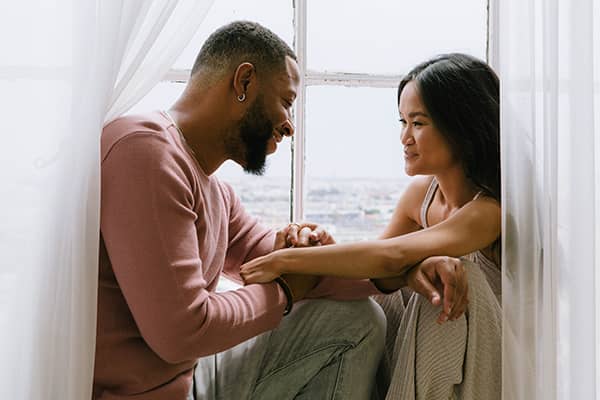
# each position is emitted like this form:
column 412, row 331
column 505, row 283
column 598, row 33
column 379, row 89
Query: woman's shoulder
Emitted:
column 487, row 201
column 414, row 195
column 417, row 189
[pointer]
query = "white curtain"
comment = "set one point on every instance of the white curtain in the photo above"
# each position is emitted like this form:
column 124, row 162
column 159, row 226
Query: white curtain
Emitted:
column 548, row 58
column 66, row 67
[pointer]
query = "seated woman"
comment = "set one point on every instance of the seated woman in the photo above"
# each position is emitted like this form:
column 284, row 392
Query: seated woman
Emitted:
column 449, row 110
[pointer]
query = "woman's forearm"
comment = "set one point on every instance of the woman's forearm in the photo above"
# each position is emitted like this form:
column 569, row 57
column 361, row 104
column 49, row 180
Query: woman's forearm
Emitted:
column 473, row 227
column 369, row 259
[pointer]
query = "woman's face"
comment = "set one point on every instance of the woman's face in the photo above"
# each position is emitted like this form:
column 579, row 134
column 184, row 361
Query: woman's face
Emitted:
column 426, row 151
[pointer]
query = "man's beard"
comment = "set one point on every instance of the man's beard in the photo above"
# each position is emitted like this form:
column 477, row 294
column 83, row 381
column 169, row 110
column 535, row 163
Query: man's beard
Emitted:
column 255, row 132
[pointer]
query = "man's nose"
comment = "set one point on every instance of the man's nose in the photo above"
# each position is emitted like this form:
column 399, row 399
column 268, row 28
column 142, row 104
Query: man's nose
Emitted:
column 287, row 128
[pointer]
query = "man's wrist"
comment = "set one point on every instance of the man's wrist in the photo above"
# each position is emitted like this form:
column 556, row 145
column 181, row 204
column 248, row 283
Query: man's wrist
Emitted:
column 300, row 285
column 288, row 294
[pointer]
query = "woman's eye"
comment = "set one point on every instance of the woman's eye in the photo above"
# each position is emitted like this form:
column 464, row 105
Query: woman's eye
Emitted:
column 402, row 121
column 417, row 123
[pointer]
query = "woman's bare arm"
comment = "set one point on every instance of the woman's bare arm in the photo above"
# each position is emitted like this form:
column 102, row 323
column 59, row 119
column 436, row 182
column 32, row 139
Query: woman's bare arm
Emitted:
column 405, row 219
column 475, row 226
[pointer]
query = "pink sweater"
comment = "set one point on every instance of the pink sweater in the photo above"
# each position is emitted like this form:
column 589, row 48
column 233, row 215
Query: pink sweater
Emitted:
column 167, row 232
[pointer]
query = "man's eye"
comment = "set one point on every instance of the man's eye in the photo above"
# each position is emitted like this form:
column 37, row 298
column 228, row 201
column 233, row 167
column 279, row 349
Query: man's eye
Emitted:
column 402, row 121
column 417, row 123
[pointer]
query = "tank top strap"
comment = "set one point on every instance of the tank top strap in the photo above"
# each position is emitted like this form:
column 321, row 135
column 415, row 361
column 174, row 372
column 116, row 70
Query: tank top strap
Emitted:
column 477, row 195
column 427, row 201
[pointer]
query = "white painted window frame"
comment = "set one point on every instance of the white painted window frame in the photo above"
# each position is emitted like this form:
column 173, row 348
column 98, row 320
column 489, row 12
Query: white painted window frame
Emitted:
column 317, row 78
column 310, row 78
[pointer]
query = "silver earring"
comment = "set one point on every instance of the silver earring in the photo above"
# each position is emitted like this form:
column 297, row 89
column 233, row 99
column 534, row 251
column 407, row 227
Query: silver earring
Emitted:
column 242, row 97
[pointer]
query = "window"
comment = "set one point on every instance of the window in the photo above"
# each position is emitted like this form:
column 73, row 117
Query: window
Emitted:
column 354, row 169
column 344, row 167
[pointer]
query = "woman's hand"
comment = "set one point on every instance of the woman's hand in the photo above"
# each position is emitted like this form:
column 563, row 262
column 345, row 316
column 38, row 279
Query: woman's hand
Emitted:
column 260, row 270
column 302, row 234
column 443, row 281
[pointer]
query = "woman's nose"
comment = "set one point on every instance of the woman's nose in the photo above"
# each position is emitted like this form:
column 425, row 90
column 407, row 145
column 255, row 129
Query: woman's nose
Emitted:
column 406, row 136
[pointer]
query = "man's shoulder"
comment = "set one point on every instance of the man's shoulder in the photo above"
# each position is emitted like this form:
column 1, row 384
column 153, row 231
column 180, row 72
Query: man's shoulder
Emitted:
column 150, row 124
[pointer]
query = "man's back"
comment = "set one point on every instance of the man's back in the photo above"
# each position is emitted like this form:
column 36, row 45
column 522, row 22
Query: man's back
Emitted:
column 167, row 231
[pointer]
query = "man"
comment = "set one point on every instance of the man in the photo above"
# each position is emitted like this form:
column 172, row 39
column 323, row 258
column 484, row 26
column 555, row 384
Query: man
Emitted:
column 169, row 228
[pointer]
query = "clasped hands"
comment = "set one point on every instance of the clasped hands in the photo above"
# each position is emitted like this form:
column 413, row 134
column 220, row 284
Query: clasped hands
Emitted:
column 302, row 234
column 264, row 269
column 441, row 280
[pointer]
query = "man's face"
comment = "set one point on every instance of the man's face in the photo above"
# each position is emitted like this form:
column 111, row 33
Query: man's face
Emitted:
column 256, row 133
column 268, row 119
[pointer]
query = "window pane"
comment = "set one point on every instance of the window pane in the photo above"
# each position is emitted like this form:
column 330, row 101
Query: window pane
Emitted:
column 354, row 160
column 266, row 197
column 391, row 36
column 31, row 36
column 277, row 15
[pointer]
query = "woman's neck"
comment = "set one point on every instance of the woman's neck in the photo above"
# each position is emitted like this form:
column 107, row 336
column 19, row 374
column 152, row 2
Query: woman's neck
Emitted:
column 455, row 188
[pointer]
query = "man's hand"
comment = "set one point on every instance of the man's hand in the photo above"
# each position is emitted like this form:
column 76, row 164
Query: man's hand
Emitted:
column 438, row 278
column 300, row 285
column 302, row 234
column 265, row 269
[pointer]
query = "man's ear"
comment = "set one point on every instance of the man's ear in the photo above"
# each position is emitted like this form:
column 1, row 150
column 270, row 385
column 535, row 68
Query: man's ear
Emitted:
column 244, row 80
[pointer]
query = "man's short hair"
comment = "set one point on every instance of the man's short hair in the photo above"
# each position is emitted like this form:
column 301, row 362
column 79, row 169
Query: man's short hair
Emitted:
column 242, row 41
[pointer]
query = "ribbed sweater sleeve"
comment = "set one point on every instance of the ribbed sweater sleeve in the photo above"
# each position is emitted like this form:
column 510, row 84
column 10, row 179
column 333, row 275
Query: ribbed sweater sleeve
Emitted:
column 248, row 238
column 150, row 228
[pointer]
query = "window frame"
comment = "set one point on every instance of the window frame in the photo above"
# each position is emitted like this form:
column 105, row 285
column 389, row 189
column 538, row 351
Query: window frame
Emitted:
column 318, row 78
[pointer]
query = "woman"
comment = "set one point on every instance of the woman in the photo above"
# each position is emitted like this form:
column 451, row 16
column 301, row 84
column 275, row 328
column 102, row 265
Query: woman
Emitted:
column 449, row 110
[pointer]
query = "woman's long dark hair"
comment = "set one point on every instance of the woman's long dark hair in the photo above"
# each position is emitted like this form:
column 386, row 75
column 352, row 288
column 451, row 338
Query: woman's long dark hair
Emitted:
column 462, row 96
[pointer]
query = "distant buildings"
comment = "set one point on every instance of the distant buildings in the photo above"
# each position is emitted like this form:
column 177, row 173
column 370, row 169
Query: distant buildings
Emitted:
column 351, row 209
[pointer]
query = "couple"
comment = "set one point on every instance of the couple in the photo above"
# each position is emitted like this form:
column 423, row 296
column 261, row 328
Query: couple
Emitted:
column 170, row 228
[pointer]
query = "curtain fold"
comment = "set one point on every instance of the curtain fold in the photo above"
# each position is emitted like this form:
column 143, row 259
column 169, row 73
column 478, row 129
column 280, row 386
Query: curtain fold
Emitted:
column 65, row 69
column 548, row 60
column 154, row 49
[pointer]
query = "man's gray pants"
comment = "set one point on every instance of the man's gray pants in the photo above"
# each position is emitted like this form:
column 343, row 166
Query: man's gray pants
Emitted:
column 325, row 349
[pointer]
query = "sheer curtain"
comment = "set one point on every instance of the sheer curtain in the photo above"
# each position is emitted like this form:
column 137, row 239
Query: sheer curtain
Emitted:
column 66, row 67
column 548, row 58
